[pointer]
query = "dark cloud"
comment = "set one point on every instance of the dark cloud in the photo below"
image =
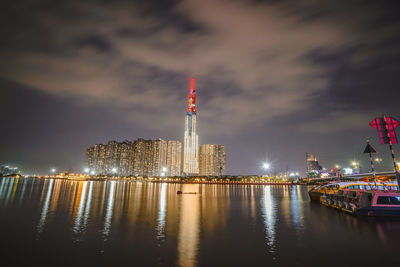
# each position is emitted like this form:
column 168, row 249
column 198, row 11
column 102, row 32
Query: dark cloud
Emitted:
column 273, row 77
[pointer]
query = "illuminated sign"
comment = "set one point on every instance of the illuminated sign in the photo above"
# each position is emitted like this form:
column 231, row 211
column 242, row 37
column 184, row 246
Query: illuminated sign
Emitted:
column 192, row 98
column 348, row 170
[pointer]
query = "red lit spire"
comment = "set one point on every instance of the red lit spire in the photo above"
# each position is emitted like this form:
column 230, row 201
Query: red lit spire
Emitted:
column 192, row 98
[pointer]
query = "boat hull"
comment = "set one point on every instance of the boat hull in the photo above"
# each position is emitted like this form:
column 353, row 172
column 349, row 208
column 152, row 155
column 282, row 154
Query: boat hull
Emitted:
column 314, row 196
column 378, row 211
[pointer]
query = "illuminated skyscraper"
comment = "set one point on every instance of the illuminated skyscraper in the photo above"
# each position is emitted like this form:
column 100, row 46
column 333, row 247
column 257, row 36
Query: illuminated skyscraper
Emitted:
column 191, row 144
column 212, row 160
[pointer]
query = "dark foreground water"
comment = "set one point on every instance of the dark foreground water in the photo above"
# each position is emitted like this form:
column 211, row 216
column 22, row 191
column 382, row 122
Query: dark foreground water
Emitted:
column 51, row 222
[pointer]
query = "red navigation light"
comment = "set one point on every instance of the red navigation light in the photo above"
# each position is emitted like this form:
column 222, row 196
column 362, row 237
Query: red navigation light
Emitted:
column 386, row 128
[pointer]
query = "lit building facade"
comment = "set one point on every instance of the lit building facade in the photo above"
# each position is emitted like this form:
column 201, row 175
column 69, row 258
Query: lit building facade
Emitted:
column 313, row 167
column 212, row 160
column 125, row 158
column 112, row 157
column 174, row 156
column 159, row 152
column 140, row 157
column 191, row 143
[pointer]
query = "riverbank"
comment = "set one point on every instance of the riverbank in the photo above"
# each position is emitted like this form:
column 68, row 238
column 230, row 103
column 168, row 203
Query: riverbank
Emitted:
column 169, row 180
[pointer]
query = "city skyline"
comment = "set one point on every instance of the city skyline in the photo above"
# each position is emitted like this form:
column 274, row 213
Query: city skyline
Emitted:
column 282, row 80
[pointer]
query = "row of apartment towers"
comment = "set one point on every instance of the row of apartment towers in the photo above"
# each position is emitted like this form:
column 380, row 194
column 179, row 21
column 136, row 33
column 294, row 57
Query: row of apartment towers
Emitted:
column 151, row 158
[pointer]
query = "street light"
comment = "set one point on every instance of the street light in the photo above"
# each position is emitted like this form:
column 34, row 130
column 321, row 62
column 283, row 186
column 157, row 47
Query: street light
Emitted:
column 114, row 170
column 87, row 170
column 266, row 166
column 164, row 170
column 53, row 170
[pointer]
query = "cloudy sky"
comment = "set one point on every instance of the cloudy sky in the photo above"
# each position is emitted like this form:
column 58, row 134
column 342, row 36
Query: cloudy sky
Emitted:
column 274, row 79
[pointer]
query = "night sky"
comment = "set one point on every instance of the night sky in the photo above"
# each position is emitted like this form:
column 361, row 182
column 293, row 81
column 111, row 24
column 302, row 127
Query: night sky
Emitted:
column 274, row 79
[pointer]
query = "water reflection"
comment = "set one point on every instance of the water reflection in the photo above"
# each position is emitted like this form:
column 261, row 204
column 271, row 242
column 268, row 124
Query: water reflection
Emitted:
column 87, row 208
column 162, row 211
column 189, row 224
column 269, row 215
column 45, row 209
column 152, row 224
column 295, row 209
column 79, row 216
column 109, row 210
column 23, row 190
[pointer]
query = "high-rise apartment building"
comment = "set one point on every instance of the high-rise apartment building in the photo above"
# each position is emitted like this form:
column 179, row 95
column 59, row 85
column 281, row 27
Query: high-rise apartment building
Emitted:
column 212, row 160
column 141, row 157
column 144, row 156
column 112, row 158
column 159, row 152
column 125, row 158
column 99, row 154
column 191, row 144
column 174, row 156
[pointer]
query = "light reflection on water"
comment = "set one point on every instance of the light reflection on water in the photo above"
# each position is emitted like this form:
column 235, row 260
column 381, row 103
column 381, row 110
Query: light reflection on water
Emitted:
column 189, row 224
column 161, row 212
column 268, row 210
column 45, row 209
column 221, row 225
column 78, row 218
column 109, row 210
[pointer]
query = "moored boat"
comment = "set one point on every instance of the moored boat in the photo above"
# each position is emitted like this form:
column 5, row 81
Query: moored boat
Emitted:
column 365, row 202
column 332, row 188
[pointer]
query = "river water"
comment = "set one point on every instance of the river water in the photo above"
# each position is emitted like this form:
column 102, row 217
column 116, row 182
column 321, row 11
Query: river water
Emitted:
column 53, row 222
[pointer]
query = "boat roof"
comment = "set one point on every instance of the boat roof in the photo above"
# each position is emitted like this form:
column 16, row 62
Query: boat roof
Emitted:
column 341, row 184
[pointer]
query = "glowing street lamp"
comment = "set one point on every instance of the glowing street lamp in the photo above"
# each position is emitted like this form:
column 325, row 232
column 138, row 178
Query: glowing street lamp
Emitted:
column 53, row 170
column 87, row 170
column 164, row 170
column 114, row 170
column 266, row 166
